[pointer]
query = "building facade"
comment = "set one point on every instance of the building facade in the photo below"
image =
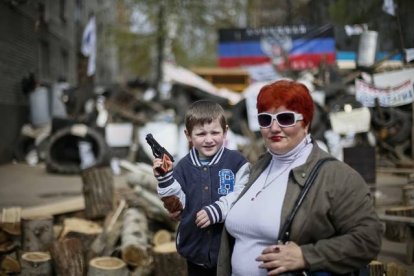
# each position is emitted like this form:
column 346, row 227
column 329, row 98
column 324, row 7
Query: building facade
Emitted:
column 41, row 39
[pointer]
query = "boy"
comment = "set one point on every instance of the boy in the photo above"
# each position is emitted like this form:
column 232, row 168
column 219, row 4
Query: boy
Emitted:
column 205, row 183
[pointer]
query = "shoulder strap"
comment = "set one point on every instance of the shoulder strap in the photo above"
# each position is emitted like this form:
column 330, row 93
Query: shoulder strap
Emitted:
column 285, row 233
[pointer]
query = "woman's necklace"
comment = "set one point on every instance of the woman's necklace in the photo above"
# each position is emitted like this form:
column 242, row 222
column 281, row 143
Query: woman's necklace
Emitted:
column 267, row 184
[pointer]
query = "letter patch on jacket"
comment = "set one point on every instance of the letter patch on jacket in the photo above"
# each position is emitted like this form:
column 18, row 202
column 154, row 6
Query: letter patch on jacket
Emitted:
column 226, row 182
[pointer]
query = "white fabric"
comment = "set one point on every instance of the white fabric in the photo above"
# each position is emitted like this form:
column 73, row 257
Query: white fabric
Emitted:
column 88, row 47
column 255, row 223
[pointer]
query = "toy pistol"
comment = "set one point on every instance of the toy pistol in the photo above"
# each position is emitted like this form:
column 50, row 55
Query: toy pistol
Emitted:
column 160, row 152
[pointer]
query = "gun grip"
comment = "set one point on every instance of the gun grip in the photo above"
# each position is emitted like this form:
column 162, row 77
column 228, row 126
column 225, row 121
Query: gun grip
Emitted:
column 165, row 166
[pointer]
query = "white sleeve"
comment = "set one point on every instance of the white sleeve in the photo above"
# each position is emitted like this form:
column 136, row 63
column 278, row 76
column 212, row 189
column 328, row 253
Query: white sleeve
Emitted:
column 172, row 189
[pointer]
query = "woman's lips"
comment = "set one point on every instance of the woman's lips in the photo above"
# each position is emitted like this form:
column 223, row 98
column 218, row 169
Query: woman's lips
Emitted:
column 276, row 138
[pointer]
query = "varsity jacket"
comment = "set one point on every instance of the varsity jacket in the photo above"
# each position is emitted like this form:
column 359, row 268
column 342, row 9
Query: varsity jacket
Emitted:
column 212, row 187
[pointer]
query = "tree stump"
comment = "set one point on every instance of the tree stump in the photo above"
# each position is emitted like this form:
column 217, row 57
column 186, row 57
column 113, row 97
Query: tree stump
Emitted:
column 98, row 191
column 67, row 257
column 376, row 268
column 408, row 194
column 37, row 233
column 9, row 265
column 84, row 230
column 10, row 220
column 160, row 237
column 107, row 266
column 134, row 238
column 394, row 269
column 396, row 231
column 167, row 261
column 36, row 263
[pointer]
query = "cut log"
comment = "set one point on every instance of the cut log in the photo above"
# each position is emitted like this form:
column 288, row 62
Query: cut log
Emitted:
column 394, row 269
column 64, row 206
column 67, row 257
column 107, row 239
column 153, row 212
column 408, row 194
column 395, row 231
column 141, row 175
column 9, row 265
column 167, row 261
column 37, row 233
column 10, row 220
column 134, row 243
column 98, row 191
column 84, row 230
column 160, row 237
column 107, row 266
column 36, row 263
column 81, row 226
column 151, row 198
column 376, row 268
column 4, row 236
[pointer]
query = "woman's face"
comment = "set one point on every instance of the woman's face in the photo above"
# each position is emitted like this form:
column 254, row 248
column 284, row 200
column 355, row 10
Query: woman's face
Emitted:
column 281, row 140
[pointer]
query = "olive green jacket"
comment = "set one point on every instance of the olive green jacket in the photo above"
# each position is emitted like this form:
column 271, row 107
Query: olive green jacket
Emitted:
column 336, row 227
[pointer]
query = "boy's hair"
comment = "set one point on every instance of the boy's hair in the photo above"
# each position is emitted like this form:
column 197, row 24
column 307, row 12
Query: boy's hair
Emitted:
column 202, row 112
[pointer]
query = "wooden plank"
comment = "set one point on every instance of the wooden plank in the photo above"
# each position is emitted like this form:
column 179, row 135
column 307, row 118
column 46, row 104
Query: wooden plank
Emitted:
column 55, row 208
column 408, row 220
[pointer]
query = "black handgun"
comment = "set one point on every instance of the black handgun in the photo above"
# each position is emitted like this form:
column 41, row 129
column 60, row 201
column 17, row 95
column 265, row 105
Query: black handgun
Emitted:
column 160, row 152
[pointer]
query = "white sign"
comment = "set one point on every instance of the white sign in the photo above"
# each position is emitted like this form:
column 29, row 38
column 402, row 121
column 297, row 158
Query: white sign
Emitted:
column 355, row 121
column 390, row 96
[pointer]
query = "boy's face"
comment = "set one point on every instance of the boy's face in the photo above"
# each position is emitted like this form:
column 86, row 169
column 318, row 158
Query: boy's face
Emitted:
column 207, row 138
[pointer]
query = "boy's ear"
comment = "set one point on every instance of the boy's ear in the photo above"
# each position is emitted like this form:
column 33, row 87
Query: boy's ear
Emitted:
column 187, row 134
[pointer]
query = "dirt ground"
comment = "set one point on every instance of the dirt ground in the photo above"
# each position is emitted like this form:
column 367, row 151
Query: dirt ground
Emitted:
column 28, row 186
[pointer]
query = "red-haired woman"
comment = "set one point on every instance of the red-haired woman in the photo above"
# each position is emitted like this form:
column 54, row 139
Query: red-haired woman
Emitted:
column 334, row 230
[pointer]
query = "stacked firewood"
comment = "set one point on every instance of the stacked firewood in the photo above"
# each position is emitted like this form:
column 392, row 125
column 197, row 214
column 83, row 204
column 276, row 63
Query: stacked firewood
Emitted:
column 106, row 232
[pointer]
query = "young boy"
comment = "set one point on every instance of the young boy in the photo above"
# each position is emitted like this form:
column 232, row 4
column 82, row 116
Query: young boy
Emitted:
column 205, row 183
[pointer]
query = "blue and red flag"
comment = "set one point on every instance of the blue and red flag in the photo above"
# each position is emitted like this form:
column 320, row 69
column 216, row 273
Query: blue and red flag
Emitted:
column 295, row 47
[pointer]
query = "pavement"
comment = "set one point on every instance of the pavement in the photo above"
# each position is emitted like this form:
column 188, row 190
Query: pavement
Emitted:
column 30, row 186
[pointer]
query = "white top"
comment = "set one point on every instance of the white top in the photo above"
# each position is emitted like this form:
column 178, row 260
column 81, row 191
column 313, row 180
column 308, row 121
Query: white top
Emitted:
column 254, row 221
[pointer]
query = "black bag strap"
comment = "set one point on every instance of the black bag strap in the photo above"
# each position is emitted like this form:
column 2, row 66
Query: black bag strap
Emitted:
column 285, row 233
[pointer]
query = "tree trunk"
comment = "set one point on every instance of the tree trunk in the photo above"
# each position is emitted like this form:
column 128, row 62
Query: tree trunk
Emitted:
column 106, row 241
column 98, row 191
column 167, row 261
column 36, row 263
column 37, row 233
column 396, row 231
column 107, row 266
column 84, row 230
column 67, row 257
column 376, row 268
column 10, row 220
column 394, row 269
column 134, row 245
column 9, row 265
column 160, row 237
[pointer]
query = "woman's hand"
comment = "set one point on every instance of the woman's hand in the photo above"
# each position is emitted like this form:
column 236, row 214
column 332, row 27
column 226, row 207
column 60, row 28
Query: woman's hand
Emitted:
column 202, row 219
column 278, row 259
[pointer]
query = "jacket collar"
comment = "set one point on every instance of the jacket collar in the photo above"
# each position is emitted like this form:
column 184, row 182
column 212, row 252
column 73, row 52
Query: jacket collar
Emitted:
column 196, row 160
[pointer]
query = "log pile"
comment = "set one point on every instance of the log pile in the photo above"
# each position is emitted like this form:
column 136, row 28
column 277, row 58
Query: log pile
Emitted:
column 107, row 231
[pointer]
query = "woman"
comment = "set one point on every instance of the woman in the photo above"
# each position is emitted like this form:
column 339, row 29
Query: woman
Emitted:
column 335, row 229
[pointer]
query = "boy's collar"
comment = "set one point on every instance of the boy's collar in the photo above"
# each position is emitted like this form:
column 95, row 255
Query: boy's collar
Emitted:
column 214, row 160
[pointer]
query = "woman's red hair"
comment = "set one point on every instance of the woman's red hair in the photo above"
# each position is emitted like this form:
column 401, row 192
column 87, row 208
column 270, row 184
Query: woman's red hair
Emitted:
column 292, row 95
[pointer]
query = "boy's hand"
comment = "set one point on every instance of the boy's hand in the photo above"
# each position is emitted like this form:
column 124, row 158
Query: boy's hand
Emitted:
column 172, row 204
column 202, row 219
column 161, row 166
column 175, row 216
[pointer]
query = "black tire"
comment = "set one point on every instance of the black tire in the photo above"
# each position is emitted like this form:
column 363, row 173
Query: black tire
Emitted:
column 62, row 154
column 400, row 131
